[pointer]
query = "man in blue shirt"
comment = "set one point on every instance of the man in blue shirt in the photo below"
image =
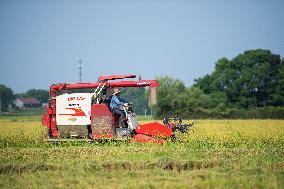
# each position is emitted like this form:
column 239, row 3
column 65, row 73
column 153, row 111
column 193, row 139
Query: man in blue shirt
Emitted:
column 116, row 104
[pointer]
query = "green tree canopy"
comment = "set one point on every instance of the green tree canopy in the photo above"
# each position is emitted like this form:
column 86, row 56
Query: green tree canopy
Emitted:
column 170, row 96
column 6, row 97
column 252, row 79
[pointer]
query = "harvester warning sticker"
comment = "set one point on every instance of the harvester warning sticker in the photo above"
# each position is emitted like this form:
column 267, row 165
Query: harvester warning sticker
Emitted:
column 77, row 112
column 73, row 109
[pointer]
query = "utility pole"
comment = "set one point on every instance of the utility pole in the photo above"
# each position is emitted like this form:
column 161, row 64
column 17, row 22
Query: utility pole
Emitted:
column 80, row 70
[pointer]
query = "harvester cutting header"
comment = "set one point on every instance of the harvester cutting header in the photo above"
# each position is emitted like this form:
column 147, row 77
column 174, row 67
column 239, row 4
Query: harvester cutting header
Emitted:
column 83, row 110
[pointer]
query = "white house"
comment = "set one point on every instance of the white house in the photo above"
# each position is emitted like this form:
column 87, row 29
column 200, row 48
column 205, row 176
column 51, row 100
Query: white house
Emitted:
column 27, row 103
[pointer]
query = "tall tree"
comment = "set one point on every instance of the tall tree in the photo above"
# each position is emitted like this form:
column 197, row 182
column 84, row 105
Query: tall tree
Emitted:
column 6, row 97
column 170, row 96
column 252, row 79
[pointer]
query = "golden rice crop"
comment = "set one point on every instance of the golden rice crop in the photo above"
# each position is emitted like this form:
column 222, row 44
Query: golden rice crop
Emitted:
column 231, row 130
column 25, row 129
column 216, row 154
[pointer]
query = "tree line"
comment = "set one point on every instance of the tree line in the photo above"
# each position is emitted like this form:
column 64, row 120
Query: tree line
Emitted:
column 251, row 85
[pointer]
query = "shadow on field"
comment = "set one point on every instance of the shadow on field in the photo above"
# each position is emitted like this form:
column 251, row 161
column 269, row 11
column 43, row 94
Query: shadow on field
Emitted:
column 163, row 163
column 9, row 168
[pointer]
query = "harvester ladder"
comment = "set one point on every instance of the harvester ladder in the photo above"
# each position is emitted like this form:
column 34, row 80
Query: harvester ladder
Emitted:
column 98, row 91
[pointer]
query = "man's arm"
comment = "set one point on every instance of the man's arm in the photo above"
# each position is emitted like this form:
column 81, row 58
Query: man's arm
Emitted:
column 117, row 100
column 123, row 100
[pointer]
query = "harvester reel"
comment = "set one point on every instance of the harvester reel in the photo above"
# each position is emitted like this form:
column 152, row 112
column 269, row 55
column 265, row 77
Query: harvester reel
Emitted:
column 175, row 123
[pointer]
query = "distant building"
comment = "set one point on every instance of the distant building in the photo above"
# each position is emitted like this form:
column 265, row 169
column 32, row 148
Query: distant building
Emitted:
column 27, row 103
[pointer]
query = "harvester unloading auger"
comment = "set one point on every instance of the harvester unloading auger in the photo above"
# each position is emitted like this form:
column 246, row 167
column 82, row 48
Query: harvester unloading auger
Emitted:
column 76, row 114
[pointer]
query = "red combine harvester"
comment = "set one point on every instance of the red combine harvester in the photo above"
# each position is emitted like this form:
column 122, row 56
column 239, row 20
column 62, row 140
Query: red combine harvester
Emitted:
column 81, row 111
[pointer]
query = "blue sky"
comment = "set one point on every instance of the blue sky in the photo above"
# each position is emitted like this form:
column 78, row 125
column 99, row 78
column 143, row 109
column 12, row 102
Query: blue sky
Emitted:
column 41, row 41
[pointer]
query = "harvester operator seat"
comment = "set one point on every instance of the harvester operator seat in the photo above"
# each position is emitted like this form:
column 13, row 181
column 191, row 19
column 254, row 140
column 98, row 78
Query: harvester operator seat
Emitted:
column 105, row 100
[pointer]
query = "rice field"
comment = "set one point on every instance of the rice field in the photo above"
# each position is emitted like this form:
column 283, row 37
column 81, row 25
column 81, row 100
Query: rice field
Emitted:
column 218, row 154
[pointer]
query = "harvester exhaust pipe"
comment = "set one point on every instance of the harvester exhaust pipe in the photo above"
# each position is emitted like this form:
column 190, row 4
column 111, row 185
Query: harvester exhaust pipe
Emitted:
column 153, row 96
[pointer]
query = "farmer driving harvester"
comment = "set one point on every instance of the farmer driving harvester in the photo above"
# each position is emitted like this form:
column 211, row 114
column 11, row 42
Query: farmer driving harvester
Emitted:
column 116, row 104
column 77, row 115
